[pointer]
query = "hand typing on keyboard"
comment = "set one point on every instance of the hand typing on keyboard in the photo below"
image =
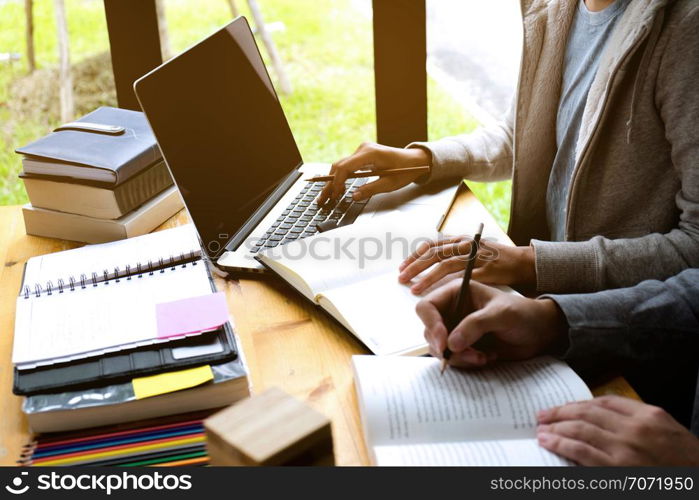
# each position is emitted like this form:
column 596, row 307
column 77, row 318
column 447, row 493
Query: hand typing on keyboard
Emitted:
column 301, row 218
column 379, row 157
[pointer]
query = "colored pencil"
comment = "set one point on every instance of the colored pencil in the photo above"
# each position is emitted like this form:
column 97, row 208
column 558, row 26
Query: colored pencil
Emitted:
column 77, row 458
column 166, row 442
column 183, row 463
column 58, row 440
column 102, row 443
column 153, row 457
column 158, row 456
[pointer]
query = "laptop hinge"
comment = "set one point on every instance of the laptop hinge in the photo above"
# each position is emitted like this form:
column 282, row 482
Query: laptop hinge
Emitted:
column 271, row 200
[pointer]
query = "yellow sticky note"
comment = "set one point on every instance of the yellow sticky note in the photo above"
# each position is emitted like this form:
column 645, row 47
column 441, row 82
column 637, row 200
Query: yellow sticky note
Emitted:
column 162, row 383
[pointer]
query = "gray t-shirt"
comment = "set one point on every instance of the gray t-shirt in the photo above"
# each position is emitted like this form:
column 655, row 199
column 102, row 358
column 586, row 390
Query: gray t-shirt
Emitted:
column 588, row 36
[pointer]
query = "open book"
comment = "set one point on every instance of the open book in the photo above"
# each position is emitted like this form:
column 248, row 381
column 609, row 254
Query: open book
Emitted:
column 352, row 273
column 412, row 415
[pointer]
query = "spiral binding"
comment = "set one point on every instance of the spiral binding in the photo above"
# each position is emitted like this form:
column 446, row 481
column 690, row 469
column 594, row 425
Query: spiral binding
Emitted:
column 82, row 282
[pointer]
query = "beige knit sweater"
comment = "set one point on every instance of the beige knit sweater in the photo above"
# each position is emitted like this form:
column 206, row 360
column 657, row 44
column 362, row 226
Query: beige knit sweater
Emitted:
column 633, row 210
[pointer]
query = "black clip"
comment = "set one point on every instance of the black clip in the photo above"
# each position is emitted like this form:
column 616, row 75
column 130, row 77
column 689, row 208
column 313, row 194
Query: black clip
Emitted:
column 94, row 279
column 49, row 287
column 150, row 267
column 83, row 279
column 116, row 274
column 72, row 283
column 27, row 291
column 105, row 275
column 37, row 290
column 138, row 270
column 61, row 284
column 161, row 265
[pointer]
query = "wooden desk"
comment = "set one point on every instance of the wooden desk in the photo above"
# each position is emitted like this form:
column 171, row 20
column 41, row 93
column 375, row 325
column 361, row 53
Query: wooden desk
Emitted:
column 285, row 340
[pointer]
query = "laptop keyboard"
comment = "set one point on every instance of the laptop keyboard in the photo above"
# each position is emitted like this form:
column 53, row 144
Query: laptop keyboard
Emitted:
column 301, row 218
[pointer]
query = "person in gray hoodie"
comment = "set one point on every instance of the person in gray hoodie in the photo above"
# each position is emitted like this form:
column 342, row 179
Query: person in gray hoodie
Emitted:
column 601, row 144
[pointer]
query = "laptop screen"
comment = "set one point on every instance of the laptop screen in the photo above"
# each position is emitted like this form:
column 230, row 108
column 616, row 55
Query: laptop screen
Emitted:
column 221, row 129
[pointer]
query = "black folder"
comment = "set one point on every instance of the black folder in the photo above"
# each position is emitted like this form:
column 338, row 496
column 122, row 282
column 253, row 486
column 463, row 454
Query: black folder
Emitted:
column 122, row 367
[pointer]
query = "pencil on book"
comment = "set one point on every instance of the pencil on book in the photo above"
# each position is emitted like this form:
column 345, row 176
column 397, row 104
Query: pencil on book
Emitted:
column 373, row 173
column 464, row 294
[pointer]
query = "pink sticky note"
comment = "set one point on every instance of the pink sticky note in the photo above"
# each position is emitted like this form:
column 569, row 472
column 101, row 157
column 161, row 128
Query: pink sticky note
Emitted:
column 192, row 315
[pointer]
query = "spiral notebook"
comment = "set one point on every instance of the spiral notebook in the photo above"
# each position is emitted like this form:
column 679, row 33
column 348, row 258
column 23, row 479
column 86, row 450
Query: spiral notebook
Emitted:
column 102, row 299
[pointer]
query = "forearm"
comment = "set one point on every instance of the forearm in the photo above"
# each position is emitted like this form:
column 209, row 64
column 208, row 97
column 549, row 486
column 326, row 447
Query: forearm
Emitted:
column 484, row 155
column 602, row 263
column 649, row 322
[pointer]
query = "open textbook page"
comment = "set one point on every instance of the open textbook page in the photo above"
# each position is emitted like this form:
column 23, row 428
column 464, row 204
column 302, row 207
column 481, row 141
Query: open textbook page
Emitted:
column 412, row 415
column 352, row 273
column 350, row 254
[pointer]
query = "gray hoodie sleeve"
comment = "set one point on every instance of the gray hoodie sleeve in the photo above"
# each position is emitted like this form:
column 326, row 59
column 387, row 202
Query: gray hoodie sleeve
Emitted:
column 601, row 263
column 484, row 155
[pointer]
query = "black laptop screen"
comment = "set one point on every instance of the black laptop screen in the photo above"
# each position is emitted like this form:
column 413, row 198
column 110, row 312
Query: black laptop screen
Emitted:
column 221, row 129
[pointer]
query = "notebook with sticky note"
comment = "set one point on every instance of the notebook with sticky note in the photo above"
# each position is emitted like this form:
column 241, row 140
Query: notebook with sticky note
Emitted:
column 122, row 331
column 92, row 313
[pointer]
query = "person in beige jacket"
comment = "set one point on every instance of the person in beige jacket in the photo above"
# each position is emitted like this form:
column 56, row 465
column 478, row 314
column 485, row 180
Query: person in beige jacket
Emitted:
column 627, row 208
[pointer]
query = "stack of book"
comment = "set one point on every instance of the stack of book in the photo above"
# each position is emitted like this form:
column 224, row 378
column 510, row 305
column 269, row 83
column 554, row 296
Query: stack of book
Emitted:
column 121, row 332
column 98, row 179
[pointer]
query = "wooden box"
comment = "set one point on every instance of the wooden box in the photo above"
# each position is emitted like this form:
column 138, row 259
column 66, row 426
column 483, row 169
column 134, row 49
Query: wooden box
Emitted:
column 271, row 428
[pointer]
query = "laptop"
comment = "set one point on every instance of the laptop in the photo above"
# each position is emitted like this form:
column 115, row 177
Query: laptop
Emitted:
column 225, row 138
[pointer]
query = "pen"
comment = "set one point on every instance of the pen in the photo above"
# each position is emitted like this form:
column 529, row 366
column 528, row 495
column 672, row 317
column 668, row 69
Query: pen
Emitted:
column 463, row 296
column 373, row 173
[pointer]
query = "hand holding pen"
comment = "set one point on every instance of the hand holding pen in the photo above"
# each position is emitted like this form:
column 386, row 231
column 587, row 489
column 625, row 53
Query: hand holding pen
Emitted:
column 463, row 298
column 469, row 324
